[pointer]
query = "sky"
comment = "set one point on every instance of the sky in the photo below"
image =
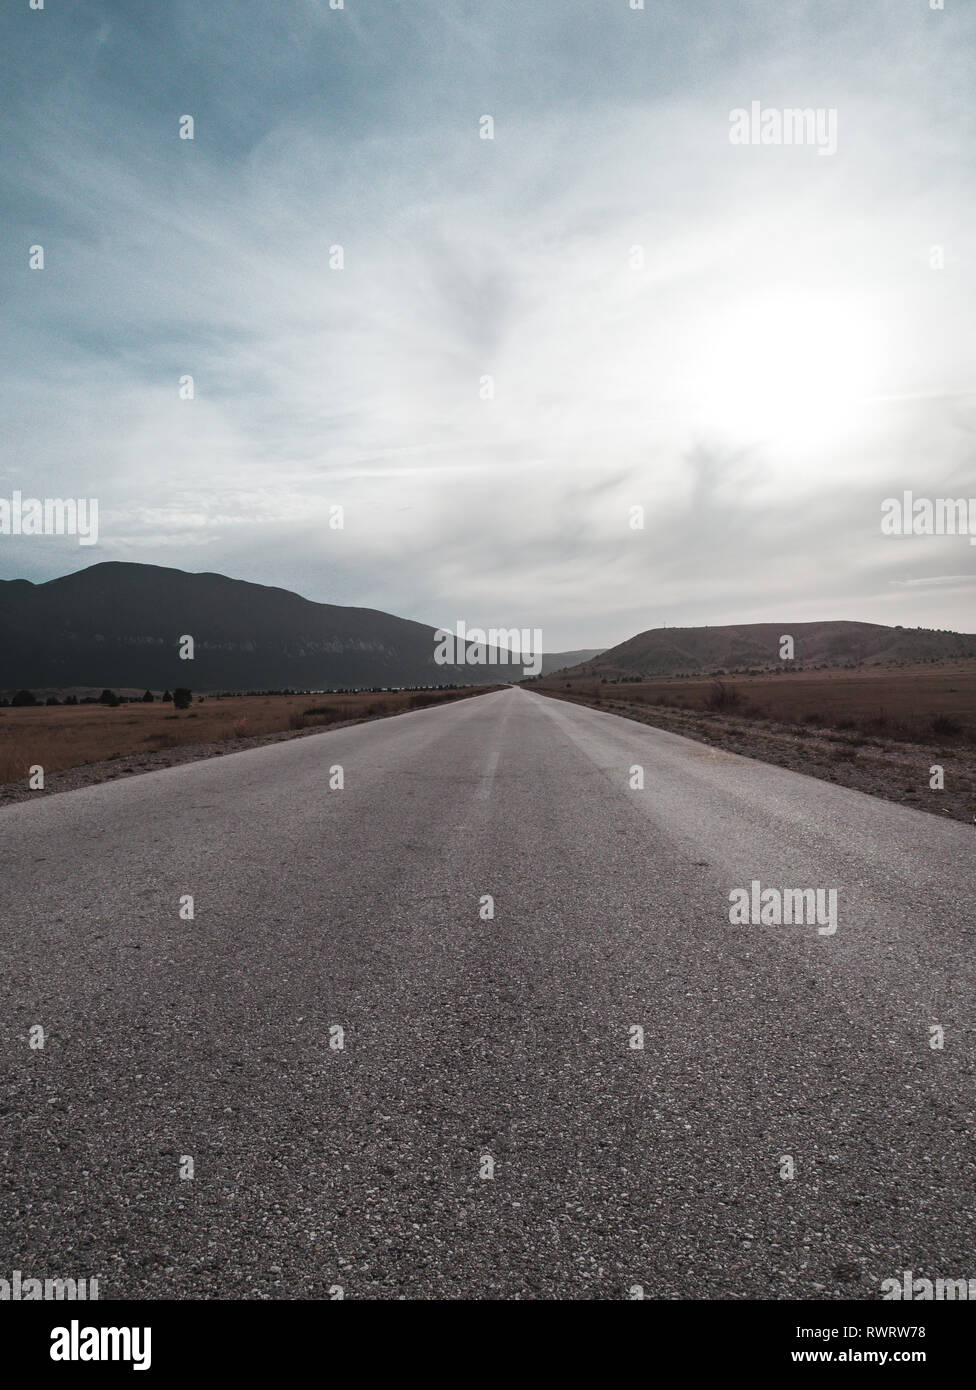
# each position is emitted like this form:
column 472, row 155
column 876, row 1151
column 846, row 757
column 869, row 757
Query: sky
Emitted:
column 608, row 305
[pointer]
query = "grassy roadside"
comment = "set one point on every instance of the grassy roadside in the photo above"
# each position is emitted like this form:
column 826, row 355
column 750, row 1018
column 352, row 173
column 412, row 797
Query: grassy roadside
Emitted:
column 83, row 744
column 896, row 769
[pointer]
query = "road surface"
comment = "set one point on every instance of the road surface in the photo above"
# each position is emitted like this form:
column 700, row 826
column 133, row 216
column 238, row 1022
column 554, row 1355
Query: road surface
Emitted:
column 474, row 1045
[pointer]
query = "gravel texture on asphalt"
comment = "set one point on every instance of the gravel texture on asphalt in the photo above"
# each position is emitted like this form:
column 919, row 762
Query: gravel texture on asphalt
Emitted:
column 475, row 1045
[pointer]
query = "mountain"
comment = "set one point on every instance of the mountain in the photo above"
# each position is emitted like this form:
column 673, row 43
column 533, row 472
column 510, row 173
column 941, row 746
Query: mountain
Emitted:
column 119, row 625
column 670, row 651
column 557, row 661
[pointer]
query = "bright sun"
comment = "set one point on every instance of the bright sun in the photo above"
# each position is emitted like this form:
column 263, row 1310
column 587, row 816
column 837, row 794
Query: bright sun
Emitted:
column 793, row 365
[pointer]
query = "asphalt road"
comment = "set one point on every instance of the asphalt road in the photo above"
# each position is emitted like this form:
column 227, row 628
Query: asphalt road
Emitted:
column 317, row 1168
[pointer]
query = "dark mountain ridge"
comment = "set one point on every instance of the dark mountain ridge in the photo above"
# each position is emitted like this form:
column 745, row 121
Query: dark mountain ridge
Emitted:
column 117, row 624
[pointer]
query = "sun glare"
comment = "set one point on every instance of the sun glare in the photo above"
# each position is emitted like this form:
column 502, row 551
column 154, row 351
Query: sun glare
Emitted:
column 791, row 366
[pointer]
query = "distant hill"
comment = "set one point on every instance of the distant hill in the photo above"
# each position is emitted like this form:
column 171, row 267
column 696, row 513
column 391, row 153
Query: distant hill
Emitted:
column 670, row 651
column 118, row 625
column 556, row 661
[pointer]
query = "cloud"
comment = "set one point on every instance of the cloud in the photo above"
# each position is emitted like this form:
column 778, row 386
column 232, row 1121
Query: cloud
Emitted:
column 669, row 384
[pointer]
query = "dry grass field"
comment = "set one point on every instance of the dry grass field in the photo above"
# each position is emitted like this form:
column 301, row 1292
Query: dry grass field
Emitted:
column 878, row 730
column 58, row 737
column 900, row 703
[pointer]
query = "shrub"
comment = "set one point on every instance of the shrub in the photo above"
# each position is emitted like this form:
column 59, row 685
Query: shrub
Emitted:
column 182, row 698
column 722, row 696
column 24, row 697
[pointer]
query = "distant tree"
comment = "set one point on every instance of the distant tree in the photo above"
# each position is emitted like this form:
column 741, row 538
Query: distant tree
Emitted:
column 148, row 698
column 182, row 698
column 71, row 699
column 108, row 697
column 24, row 697
column 167, row 698
column 52, row 700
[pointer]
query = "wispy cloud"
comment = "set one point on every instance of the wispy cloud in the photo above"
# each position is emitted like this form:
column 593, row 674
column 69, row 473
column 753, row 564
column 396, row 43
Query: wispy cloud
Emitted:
column 714, row 333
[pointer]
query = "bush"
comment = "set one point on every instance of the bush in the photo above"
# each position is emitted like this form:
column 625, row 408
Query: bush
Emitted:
column 945, row 727
column 24, row 697
column 182, row 698
column 722, row 696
